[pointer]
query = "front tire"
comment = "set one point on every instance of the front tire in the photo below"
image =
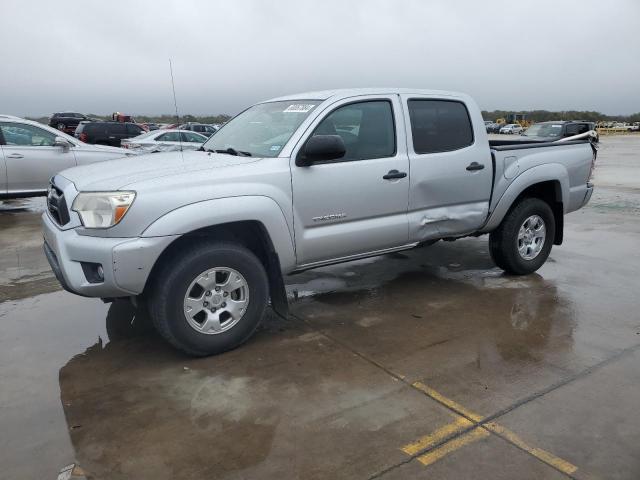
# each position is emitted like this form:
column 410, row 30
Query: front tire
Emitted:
column 523, row 241
column 209, row 299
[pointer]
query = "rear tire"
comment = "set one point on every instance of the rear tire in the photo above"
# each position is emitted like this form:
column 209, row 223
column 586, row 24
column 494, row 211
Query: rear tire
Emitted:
column 515, row 246
column 185, row 277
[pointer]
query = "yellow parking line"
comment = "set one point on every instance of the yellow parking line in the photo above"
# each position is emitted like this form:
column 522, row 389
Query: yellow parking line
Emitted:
column 451, row 446
column 481, row 431
column 539, row 453
column 447, row 401
column 436, row 437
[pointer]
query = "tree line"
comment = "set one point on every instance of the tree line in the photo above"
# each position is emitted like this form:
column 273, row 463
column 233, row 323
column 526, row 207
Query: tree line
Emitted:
column 166, row 118
column 546, row 115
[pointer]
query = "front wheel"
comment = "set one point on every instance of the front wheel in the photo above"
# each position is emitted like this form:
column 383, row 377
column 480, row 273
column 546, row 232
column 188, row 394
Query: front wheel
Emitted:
column 210, row 299
column 523, row 241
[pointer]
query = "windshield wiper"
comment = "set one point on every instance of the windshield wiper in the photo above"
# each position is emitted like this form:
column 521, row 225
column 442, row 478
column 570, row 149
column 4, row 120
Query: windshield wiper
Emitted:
column 233, row 151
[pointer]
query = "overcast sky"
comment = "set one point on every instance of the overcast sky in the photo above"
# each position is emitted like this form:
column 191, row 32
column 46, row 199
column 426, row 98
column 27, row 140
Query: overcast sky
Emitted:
column 99, row 57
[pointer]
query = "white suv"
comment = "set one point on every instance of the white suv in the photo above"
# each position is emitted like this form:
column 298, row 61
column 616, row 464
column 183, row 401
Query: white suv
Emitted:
column 512, row 128
column 31, row 153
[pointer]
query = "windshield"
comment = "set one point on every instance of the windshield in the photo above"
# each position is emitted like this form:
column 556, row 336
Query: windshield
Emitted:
column 263, row 129
column 544, row 130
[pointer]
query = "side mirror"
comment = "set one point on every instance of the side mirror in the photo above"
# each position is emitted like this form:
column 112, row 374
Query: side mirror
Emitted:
column 319, row 148
column 62, row 142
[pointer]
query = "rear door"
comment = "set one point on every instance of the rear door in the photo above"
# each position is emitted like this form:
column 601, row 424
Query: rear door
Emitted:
column 346, row 207
column 169, row 138
column 192, row 139
column 31, row 157
column 451, row 167
column 116, row 132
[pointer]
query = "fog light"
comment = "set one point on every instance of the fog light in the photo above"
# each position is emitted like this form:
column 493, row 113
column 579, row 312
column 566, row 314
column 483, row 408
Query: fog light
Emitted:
column 93, row 272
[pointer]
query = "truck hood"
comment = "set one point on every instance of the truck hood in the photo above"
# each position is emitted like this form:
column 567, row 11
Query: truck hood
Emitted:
column 118, row 174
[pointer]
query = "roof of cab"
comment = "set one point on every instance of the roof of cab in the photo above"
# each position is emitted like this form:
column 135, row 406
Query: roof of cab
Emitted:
column 353, row 92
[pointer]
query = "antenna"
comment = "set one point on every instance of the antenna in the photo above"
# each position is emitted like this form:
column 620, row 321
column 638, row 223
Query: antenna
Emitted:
column 175, row 104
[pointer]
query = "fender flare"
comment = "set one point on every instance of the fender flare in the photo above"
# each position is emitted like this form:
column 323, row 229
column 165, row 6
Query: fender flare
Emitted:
column 219, row 211
column 543, row 173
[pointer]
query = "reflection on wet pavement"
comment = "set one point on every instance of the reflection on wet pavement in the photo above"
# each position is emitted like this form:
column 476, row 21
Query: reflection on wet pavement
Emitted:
column 327, row 392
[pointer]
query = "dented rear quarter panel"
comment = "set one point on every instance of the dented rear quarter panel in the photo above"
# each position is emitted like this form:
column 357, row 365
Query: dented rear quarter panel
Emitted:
column 518, row 169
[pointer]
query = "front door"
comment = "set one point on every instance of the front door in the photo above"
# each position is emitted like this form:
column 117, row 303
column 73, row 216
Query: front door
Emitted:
column 347, row 207
column 31, row 157
column 451, row 167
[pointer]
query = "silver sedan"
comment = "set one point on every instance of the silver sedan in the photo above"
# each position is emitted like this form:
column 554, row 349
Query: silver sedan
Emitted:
column 164, row 141
column 31, row 153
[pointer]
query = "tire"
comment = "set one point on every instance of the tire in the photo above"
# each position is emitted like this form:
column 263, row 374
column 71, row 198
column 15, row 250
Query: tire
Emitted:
column 504, row 241
column 61, row 126
column 174, row 282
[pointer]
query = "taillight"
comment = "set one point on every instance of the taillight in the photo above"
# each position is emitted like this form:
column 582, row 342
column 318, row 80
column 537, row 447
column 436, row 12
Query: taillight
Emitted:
column 593, row 160
column 83, row 137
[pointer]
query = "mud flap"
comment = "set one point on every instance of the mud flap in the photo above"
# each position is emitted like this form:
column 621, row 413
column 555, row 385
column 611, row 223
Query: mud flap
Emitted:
column 277, row 290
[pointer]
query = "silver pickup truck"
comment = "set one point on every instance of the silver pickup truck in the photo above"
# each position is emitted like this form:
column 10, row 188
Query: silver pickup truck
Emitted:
column 205, row 237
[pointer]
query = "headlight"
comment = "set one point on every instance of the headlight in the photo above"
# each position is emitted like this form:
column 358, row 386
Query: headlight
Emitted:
column 102, row 209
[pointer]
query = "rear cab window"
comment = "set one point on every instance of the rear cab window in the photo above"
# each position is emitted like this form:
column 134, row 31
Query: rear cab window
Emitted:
column 439, row 125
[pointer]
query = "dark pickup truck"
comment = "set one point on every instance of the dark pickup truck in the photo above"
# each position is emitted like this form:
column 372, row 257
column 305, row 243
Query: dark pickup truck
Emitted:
column 107, row 133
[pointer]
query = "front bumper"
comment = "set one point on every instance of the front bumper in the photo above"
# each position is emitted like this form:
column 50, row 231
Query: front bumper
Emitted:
column 126, row 262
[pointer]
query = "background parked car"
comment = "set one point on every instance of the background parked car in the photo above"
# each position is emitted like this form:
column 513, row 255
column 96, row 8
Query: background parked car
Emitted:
column 495, row 127
column 202, row 128
column 31, row 153
column 107, row 133
column 512, row 129
column 164, row 141
column 552, row 131
column 67, row 121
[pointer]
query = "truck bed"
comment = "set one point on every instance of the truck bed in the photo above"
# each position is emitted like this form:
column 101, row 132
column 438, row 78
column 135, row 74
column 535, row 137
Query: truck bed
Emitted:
column 567, row 164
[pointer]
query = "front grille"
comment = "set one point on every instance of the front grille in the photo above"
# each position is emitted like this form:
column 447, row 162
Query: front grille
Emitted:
column 57, row 205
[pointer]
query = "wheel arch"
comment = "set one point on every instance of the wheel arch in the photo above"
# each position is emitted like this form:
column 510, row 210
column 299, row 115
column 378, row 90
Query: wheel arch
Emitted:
column 257, row 223
column 549, row 183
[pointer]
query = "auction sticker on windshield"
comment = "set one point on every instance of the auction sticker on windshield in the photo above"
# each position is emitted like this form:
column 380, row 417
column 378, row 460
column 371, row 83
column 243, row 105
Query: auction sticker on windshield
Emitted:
column 299, row 108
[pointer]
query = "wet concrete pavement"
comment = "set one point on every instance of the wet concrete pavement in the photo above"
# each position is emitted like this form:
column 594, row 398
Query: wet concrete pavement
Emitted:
column 425, row 364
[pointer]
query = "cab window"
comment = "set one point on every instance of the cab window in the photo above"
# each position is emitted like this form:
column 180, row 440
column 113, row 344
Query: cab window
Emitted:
column 440, row 125
column 367, row 129
column 192, row 137
column 19, row 134
column 169, row 137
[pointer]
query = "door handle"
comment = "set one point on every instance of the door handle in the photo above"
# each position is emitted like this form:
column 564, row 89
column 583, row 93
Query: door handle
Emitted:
column 475, row 166
column 15, row 155
column 394, row 174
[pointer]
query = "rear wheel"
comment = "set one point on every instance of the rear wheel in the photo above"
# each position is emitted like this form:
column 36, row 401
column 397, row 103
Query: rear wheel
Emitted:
column 61, row 126
column 210, row 299
column 523, row 241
